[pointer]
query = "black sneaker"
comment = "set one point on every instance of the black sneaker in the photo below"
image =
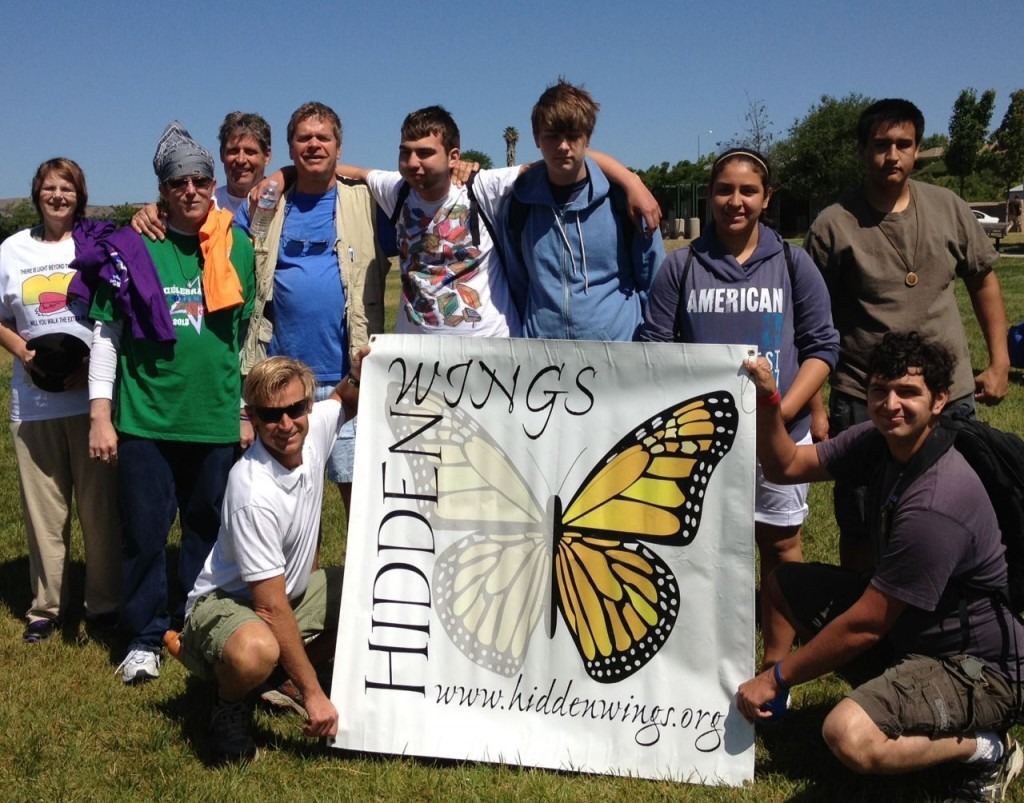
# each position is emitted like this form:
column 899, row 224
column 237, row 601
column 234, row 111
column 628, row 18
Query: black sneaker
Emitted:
column 231, row 731
column 40, row 630
column 988, row 780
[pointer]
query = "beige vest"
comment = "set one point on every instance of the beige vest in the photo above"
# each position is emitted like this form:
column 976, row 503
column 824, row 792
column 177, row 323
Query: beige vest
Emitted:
column 362, row 265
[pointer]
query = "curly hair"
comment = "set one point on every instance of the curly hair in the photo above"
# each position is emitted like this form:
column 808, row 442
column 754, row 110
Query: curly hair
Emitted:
column 900, row 352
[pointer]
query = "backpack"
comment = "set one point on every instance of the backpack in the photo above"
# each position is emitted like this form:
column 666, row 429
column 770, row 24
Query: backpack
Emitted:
column 1015, row 345
column 997, row 458
column 476, row 214
column 677, row 327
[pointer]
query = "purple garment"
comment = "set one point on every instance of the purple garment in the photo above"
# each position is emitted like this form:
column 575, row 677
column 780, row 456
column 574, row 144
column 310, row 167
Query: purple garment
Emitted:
column 120, row 258
column 789, row 319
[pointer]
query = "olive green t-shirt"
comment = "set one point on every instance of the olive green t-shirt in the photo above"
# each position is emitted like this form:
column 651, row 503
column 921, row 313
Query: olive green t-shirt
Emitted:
column 865, row 257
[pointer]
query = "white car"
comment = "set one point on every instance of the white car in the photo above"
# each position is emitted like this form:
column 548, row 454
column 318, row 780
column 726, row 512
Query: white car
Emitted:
column 989, row 223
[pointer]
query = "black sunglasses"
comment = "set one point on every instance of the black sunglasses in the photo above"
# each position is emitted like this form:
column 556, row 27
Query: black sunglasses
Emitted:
column 272, row 415
column 199, row 182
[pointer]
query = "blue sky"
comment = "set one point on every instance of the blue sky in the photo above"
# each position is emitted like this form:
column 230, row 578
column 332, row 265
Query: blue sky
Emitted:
column 98, row 81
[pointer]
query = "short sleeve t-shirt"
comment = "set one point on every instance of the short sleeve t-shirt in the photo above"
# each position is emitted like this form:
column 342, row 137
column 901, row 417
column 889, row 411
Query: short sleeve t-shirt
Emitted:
column 34, row 278
column 271, row 516
column 449, row 285
column 188, row 390
column 944, row 544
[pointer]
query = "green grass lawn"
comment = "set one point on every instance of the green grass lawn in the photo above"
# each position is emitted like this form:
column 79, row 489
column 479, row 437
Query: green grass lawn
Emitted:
column 70, row 731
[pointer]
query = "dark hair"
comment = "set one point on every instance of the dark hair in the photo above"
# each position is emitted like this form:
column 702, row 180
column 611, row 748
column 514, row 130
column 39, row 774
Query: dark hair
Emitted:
column 899, row 352
column 316, row 111
column 68, row 170
column 242, row 123
column 890, row 111
column 748, row 155
column 565, row 109
column 432, row 120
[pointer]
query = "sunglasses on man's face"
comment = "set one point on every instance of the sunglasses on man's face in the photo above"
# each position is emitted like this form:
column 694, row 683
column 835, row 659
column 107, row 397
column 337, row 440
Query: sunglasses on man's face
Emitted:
column 199, row 182
column 273, row 415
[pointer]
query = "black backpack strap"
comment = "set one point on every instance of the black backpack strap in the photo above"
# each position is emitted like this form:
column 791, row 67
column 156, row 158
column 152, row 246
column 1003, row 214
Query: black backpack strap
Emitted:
column 621, row 210
column 787, row 249
column 476, row 214
column 518, row 211
column 677, row 325
column 937, row 444
column 403, row 196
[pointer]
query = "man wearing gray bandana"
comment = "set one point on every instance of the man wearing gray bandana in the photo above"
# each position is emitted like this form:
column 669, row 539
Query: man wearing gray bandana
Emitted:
column 176, row 430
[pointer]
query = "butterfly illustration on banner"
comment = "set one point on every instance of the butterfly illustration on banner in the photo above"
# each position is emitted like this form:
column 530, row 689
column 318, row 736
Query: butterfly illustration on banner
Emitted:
column 617, row 597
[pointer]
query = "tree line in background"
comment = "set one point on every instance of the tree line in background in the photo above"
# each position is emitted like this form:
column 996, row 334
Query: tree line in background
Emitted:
column 817, row 159
column 23, row 215
column 815, row 162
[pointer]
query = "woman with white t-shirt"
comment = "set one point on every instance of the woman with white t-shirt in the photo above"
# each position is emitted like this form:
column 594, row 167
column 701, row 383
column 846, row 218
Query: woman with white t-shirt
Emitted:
column 48, row 333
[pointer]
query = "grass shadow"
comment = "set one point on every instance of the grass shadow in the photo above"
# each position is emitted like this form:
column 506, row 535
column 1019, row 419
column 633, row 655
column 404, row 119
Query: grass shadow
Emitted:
column 14, row 590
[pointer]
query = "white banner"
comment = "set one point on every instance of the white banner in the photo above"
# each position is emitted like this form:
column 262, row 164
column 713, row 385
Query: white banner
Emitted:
column 550, row 557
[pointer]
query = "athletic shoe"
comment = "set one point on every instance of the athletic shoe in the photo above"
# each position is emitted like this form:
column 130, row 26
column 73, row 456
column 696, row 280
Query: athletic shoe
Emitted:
column 988, row 780
column 40, row 630
column 231, row 732
column 285, row 696
column 139, row 666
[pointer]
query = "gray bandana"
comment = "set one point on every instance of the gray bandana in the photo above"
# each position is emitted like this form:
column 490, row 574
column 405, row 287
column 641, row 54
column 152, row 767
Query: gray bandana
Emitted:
column 177, row 154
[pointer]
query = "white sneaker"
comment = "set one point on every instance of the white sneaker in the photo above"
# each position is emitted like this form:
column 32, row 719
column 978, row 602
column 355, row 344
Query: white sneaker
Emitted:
column 139, row 666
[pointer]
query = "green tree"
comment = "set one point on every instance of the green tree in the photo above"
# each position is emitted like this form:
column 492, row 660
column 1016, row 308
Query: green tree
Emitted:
column 18, row 216
column 1009, row 141
column 511, row 137
column 819, row 159
column 121, row 215
column 672, row 184
column 486, row 163
column 967, row 129
column 934, row 141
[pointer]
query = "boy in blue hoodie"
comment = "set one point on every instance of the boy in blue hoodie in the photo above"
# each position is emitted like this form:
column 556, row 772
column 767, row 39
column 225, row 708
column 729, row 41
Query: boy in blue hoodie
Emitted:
column 576, row 269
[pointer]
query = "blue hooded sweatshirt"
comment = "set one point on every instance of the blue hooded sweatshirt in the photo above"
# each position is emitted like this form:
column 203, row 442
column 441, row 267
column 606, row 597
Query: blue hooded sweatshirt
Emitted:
column 725, row 302
column 575, row 274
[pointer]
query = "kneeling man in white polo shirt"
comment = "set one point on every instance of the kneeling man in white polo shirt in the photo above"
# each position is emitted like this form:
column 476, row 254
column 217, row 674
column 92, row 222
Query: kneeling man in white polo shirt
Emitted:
column 258, row 602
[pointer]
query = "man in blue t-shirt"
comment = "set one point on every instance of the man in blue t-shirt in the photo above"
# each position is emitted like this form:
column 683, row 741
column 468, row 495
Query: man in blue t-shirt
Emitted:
column 320, row 272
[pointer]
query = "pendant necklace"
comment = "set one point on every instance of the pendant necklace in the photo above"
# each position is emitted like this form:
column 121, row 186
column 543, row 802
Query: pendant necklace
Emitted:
column 911, row 278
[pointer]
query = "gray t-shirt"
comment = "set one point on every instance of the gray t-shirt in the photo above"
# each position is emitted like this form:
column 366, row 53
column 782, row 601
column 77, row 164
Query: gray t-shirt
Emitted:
column 944, row 544
column 865, row 256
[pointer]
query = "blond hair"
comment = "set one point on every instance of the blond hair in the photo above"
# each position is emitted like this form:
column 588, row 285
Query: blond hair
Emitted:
column 272, row 375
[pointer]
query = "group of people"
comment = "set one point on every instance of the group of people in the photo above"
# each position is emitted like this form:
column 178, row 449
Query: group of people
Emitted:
column 566, row 248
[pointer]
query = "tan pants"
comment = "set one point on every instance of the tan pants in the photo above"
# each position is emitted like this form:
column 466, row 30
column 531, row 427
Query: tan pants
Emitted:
column 53, row 460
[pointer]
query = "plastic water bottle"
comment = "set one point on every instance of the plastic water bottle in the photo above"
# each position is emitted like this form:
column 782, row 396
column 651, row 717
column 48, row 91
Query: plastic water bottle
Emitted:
column 260, row 223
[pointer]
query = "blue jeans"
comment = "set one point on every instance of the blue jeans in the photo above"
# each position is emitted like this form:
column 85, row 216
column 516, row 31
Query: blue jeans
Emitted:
column 156, row 480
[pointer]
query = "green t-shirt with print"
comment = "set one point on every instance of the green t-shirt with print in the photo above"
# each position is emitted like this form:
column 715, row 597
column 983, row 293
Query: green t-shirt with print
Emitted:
column 188, row 390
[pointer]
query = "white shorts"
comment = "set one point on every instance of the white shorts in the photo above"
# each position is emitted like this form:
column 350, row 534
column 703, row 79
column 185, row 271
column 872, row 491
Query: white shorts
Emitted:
column 781, row 505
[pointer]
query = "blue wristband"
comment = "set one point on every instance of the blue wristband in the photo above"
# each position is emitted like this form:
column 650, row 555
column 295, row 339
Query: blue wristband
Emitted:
column 778, row 677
